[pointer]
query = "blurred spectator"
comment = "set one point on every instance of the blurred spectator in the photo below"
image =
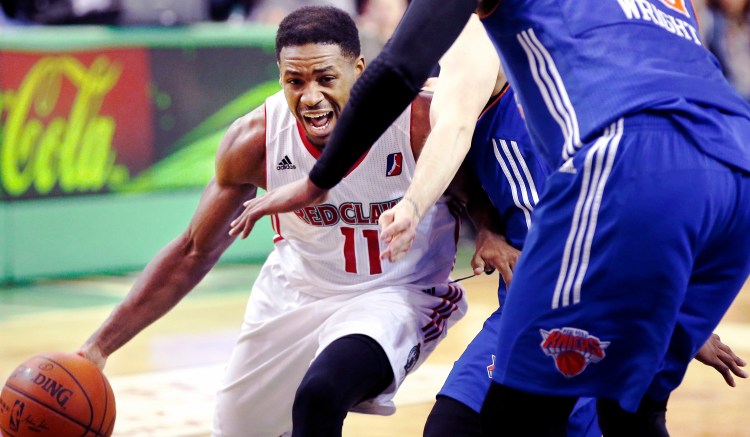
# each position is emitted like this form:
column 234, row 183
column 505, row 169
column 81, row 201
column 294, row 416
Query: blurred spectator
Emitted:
column 726, row 27
column 377, row 22
column 273, row 11
column 163, row 12
column 221, row 10
column 62, row 11
column 4, row 20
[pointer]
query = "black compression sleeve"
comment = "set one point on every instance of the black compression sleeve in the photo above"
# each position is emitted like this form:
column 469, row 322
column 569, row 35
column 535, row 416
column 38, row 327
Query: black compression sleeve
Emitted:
column 450, row 417
column 390, row 83
column 350, row 370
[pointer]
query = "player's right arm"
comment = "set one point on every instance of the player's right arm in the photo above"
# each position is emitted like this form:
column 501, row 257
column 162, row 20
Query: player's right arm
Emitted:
column 182, row 264
column 469, row 74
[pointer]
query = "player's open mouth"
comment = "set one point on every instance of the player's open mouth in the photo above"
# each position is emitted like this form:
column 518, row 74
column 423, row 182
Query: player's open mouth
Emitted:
column 319, row 122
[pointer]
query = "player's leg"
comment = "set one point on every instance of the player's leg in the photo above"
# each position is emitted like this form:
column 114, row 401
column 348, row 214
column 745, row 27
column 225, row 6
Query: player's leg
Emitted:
column 278, row 340
column 649, row 421
column 350, row 370
column 452, row 418
column 456, row 409
column 366, row 350
column 531, row 414
column 538, row 415
column 583, row 421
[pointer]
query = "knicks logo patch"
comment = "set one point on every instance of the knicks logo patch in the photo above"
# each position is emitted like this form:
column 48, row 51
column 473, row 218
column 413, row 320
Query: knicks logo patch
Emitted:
column 677, row 5
column 572, row 349
column 394, row 164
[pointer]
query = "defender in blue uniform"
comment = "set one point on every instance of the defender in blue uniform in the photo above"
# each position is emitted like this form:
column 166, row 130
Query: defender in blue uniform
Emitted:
column 641, row 240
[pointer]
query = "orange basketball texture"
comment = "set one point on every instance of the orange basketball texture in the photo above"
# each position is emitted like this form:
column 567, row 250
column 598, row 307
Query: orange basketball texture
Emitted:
column 57, row 394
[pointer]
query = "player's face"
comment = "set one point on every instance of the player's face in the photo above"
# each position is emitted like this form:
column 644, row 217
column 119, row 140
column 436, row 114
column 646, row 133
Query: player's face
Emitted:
column 316, row 79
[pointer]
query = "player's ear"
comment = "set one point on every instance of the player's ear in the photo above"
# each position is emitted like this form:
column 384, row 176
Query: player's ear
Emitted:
column 359, row 65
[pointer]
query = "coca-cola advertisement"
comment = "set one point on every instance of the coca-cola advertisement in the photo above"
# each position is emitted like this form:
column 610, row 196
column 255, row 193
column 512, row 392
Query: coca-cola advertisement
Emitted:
column 116, row 120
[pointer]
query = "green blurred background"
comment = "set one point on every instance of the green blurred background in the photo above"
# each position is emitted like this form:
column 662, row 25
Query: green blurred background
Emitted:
column 107, row 136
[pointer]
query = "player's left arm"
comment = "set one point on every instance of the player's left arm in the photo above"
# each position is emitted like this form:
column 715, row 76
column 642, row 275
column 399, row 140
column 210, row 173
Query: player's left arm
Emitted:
column 492, row 250
column 721, row 357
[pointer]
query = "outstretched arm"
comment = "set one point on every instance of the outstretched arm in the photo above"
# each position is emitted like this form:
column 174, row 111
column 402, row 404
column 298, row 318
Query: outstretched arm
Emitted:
column 179, row 266
column 461, row 94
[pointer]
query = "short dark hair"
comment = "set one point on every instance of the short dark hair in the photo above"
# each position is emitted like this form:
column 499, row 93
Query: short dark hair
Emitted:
column 319, row 25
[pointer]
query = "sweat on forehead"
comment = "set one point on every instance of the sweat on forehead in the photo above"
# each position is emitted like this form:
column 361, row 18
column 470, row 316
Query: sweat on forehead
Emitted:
column 319, row 25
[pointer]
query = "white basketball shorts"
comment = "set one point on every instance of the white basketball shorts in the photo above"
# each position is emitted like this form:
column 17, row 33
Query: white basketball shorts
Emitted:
column 284, row 330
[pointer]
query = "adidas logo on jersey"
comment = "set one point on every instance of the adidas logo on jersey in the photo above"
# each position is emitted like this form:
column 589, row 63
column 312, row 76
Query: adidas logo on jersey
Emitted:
column 567, row 167
column 286, row 164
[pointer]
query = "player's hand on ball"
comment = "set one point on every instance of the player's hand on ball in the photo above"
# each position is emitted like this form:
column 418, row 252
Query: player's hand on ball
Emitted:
column 290, row 197
column 716, row 354
column 94, row 354
column 398, row 228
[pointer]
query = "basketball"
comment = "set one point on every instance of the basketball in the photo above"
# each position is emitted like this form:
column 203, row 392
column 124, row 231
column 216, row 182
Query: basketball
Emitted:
column 57, row 394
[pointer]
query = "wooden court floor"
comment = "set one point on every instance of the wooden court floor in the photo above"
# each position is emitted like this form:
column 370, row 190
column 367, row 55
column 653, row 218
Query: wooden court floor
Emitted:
column 164, row 379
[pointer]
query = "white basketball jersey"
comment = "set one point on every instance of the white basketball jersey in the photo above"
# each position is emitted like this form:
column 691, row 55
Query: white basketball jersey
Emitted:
column 334, row 247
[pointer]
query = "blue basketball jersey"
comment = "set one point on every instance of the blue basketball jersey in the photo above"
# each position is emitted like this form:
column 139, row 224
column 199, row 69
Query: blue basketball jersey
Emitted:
column 557, row 55
column 504, row 161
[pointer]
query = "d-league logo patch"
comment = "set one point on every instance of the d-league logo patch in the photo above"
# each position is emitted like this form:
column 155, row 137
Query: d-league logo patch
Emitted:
column 394, row 164
column 491, row 367
column 412, row 359
column 285, row 164
column 677, row 5
column 572, row 349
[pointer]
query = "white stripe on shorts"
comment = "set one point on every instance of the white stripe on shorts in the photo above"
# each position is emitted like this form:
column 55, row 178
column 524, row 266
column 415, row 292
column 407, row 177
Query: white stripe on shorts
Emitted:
column 596, row 170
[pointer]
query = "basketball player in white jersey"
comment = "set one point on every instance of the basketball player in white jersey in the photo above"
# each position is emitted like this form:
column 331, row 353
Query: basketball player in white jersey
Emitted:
column 328, row 328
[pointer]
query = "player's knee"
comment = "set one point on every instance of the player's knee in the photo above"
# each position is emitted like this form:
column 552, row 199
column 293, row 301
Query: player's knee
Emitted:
column 451, row 418
column 648, row 421
column 319, row 406
column 317, row 393
column 348, row 371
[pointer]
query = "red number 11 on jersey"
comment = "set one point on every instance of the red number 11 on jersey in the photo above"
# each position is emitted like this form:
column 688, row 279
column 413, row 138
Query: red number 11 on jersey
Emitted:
column 373, row 250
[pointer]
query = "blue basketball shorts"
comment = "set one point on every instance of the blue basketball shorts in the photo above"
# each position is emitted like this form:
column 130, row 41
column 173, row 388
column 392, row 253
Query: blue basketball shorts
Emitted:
column 638, row 246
